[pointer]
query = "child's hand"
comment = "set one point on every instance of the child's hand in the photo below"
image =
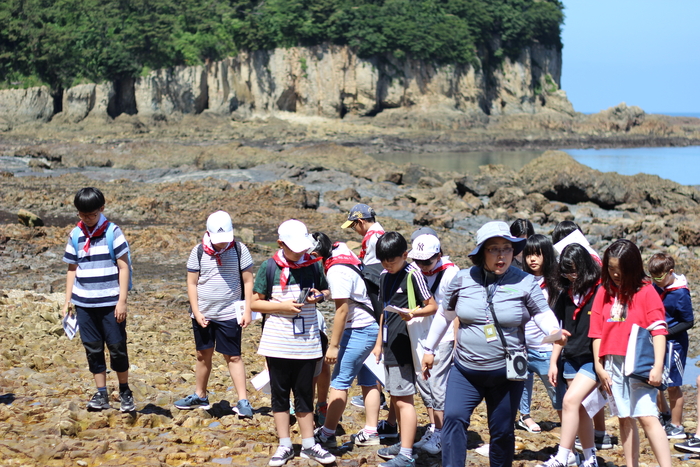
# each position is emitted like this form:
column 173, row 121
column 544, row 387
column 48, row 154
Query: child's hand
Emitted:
column 201, row 320
column 290, row 307
column 427, row 365
column 406, row 315
column 246, row 319
column 377, row 352
column 553, row 375
column 655, row 376
column 120, row 311
column 66, row 310
column 331, row 355
column 315, row 296
column 605, row 380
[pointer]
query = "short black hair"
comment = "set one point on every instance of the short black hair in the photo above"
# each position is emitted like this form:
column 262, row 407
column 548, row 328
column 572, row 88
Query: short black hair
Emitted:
column 391, row 245
column 88, row 199
column 522, row 227
column 324, row 245
column 563, row 229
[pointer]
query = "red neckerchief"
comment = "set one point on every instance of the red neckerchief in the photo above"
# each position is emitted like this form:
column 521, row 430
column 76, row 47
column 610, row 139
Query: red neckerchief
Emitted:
column 543, row 284
column 340, row 259
column 96, row 233
column 585, row 300
column 438, row 269
column 306, row 260
column 671, row 289
column 212, row 252
column 365, row 239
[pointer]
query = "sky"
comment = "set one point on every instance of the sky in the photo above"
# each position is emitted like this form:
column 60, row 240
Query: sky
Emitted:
column 641, row 52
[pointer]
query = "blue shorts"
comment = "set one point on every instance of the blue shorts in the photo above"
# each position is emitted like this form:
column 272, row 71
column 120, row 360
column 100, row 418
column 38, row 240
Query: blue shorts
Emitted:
column 572, row 367
column 680, row 353
column 633, row 398
column 222, row 336
column 355, row 346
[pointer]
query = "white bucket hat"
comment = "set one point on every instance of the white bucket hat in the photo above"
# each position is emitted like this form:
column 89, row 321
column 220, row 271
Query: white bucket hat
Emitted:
column 497, row 229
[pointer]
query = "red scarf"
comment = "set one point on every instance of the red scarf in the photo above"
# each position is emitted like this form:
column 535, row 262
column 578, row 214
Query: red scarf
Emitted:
column 543, row 285
column 438, row 269
column 365, row 239
column 212, row 252
column 306, row 260
column 671, row 289
column 100, row 230
column 585, row 300
column 340, row 259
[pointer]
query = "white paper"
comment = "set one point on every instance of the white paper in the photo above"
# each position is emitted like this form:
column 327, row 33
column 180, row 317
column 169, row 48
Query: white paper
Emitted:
column 240, row 309
column 70, row 325
column 396, row 309
column 552, row 338
column 261, row 381
column 595, row 401
column 376, row 368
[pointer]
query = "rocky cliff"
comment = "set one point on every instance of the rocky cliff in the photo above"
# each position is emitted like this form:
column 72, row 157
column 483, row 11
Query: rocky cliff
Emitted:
column 327, row 81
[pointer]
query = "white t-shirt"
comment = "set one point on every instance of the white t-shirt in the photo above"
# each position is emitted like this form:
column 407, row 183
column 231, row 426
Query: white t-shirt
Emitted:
column 371, row 253
column 439, row 294
column 533, row 334
column 345, row 283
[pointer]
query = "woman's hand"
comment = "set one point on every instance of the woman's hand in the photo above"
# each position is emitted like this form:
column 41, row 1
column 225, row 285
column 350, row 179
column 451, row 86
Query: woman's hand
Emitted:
column 427, row 365
column 331, row 355
column 655, row 376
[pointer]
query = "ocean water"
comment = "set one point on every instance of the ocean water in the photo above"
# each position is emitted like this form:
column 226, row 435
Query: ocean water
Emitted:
column 680, row 164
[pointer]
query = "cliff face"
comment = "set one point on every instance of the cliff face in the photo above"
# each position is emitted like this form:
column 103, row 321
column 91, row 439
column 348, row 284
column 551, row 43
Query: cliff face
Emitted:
column 328, row 81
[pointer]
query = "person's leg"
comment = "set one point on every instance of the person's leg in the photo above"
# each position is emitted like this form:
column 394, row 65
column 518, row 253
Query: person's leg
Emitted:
column 675, row 397
column 228, row 335
column 303, row 387
column 372, row 399
column 236, row 369
column 661, row 403
column 91, row 335
column 202, row 370
column 502, row 398
column 599, row 420
column 657, row 439
column 462, row 397
column 575, row 419
column 630, row 441
column 407, row 420
column 281, row 375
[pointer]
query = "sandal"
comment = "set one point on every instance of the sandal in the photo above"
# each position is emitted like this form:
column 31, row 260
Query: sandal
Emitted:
column 535, row 428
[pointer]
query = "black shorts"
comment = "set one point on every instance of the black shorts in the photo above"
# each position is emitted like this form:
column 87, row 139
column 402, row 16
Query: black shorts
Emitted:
column 222, row 336
column 287, row 375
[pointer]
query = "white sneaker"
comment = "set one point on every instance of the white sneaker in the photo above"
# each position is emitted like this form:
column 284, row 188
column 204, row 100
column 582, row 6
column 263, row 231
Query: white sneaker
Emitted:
column 281, row 456
column 317, row 453
column 482, row 450
column 573, row 459
column 592, row 462
column 434, row 444
column 426, row 436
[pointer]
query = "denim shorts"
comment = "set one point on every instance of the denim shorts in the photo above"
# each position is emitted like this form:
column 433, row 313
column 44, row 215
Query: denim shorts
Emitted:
column 632, row 397
column 355, row 346
column 572, row 367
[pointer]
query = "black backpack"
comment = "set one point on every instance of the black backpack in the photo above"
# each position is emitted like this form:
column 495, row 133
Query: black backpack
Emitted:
column 371, row 276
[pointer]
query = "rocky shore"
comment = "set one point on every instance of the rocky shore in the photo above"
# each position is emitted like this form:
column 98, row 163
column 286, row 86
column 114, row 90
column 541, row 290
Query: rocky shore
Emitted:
column 262, row 173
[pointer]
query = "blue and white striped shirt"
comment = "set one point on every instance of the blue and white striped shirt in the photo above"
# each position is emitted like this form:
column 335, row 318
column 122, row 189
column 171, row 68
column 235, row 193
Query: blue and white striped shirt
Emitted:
column 97, row 277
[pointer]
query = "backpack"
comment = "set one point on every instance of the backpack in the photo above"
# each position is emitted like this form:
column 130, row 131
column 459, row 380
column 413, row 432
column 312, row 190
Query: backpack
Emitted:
column 237, row 246
column 270, row 276
column 75, row 235
column 372, row 293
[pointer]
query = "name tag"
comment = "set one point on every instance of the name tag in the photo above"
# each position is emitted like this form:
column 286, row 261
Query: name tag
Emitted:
column 490, row 333
column 298, row 323
column 385, row 333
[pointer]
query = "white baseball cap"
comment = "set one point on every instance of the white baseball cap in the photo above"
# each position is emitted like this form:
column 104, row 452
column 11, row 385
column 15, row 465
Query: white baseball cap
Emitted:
column 424, row 247
column 220, row 227
column 295, row 235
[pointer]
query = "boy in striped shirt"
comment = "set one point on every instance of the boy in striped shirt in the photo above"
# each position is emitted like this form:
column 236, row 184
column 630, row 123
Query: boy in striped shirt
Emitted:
column 97, row 286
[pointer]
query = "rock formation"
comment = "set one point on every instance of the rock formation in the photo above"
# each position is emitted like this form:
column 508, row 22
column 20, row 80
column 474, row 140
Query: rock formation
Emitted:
column 326, row 80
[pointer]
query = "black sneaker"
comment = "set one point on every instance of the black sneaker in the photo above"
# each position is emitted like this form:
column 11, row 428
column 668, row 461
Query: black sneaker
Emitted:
column 323, row 440
column 126, row 399
column 604, row 441
column 692, row 445
column 386, row 430
column 98, row 402
column 674, row 431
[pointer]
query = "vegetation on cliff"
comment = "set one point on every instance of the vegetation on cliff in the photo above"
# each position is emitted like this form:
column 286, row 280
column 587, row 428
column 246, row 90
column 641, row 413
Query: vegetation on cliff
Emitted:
column 64, row 42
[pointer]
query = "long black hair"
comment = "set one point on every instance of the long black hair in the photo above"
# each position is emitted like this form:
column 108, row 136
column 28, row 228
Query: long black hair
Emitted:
column 563, row 229
column 576, row 259
column 631, row 270
column 541, row 245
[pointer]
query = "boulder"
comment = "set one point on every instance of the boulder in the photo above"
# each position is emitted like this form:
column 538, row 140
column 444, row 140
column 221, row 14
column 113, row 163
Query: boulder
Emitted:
column 489, row 179
column 78, row 101
column 559, row 177
column 19, row 106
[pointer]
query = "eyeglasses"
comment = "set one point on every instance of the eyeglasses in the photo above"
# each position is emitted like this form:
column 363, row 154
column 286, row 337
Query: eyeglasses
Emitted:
column 89, row 215
column 499, row 251
column 661, row 278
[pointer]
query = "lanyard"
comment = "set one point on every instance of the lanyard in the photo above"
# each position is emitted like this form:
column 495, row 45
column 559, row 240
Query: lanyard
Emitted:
column 386, row 298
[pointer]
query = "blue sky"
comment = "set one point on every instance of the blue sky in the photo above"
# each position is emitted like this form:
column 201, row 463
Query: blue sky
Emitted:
column 642, row 52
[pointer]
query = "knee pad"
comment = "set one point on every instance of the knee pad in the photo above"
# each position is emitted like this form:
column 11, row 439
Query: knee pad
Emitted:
column 119, row 360
column 95, row 356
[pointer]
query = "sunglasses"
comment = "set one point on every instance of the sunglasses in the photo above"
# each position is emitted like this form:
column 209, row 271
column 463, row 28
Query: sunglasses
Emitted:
column 661, row 278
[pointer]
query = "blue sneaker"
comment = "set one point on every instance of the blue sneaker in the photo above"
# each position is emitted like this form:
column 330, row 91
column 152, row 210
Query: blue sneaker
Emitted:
column 390, row 452
column 400, row 461
column 193, row 402
column 244, row 409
